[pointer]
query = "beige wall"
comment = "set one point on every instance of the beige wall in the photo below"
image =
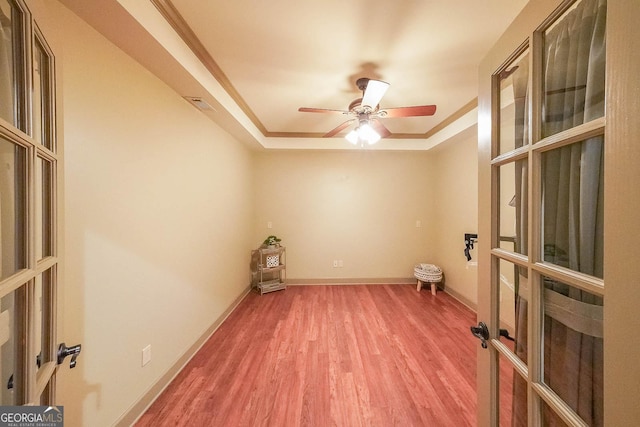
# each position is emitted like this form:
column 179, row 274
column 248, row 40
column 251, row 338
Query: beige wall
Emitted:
column 360, row 207
column 455, row 166
column 158, row 223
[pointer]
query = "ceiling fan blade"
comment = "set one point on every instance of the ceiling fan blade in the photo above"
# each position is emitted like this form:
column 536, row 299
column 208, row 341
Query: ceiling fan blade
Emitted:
column 373, row 93
column 321, row 110
column 419, row 110
column 339, row 129
column 380, row 128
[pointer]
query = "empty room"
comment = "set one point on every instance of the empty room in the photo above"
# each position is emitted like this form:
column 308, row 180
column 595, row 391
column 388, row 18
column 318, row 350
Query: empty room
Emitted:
column 319, row 213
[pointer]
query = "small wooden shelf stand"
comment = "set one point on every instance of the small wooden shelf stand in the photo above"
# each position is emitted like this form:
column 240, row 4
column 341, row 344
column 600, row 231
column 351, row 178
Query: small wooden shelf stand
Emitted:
column 272, row 270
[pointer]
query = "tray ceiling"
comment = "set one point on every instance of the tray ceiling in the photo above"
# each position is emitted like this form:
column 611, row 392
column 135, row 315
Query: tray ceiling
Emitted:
column 272, row 57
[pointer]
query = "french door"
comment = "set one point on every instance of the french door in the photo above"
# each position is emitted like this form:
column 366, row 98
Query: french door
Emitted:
column 554, row 146
column 29, row 177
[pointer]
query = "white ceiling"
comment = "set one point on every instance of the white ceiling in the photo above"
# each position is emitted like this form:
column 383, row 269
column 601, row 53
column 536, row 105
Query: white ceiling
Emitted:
column 272, row 57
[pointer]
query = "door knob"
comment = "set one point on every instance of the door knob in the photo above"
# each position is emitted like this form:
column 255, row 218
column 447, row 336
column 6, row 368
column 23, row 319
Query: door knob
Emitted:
column 481, row 332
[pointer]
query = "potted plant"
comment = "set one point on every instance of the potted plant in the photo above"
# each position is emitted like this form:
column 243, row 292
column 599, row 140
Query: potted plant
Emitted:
column 272, row 242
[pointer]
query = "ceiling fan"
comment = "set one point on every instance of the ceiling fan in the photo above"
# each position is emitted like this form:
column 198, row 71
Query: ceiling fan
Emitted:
column 367, row 112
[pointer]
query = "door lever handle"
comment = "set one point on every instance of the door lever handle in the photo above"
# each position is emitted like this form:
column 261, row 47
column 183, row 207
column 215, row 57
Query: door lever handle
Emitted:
column 64, row 351
column 481, row 332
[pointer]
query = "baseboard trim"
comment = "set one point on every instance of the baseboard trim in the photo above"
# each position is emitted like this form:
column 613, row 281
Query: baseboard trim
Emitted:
column 464, row 301
column 351, row 281
column 137, row 409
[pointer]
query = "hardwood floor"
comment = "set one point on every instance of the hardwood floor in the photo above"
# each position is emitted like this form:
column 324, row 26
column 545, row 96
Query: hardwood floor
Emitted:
column 378, row 355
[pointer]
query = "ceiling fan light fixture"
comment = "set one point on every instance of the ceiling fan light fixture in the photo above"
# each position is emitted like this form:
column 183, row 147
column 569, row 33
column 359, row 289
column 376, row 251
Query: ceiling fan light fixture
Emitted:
column 367, row 108
column 352, row 137
column 368, row 134
column 363, row 134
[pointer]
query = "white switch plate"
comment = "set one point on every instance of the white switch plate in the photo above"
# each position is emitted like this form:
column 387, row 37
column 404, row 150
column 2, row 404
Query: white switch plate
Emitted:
column 418, row 224
column 340, row 263
column 335, row 263
column 269, row 224
column 146, row 355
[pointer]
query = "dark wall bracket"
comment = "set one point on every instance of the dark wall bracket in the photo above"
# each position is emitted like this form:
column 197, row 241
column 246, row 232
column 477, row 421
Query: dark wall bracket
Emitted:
column 469, row 240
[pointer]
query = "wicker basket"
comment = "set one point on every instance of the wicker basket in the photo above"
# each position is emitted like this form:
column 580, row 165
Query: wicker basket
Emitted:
column 427, row 273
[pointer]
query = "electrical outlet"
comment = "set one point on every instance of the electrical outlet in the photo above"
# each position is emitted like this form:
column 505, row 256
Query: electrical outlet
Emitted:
column 418, row 224
column 340, row 264
column 146, row 355
column 269, row 224
column 335, row 263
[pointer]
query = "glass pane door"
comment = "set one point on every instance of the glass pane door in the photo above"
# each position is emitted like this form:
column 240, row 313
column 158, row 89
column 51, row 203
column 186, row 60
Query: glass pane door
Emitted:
column 547, row 249
column 28, row 222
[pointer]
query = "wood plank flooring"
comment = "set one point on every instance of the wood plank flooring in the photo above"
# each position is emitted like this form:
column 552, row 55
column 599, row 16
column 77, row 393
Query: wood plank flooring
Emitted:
column 379, row 355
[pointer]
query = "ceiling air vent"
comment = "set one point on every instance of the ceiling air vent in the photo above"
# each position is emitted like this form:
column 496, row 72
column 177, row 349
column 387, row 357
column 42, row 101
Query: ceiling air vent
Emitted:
column 199, row 103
